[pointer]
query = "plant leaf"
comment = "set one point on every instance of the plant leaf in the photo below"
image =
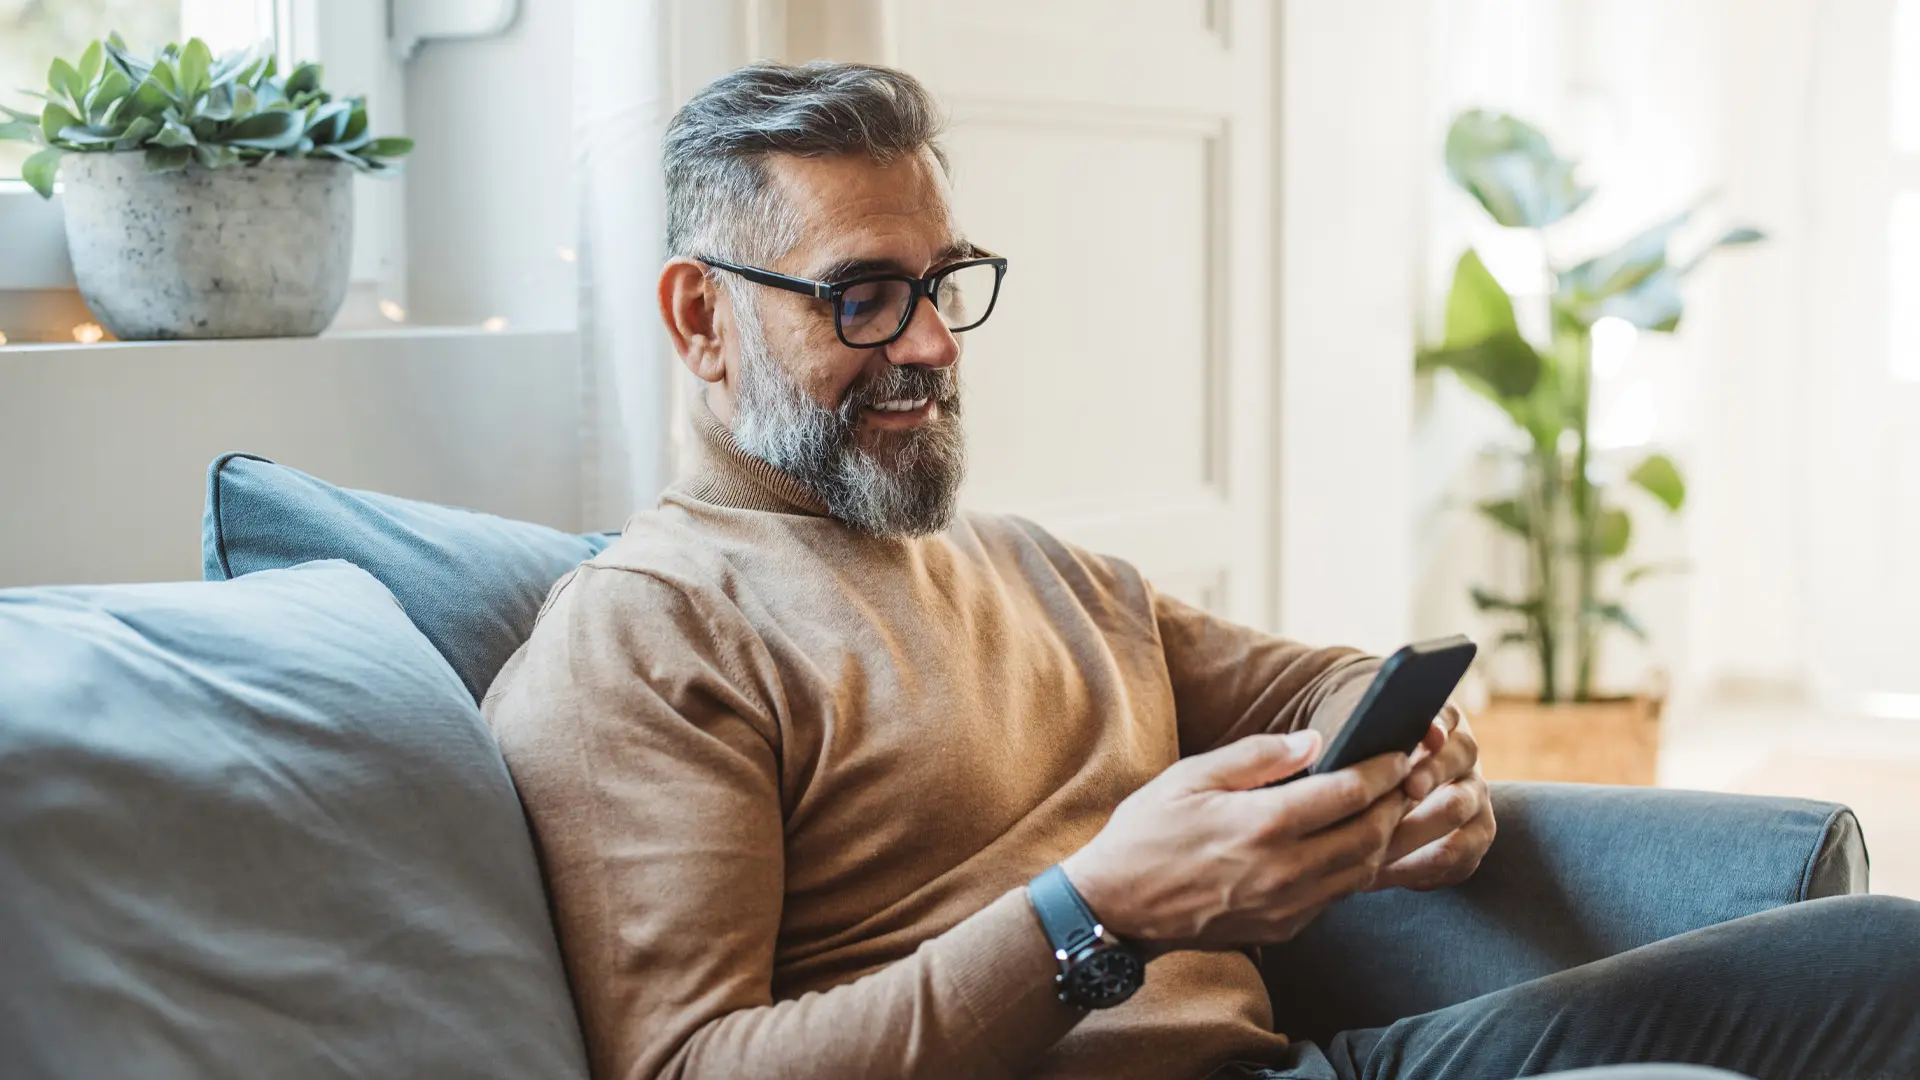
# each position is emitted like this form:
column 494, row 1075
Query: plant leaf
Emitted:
column 219, row 104
column 137, row 133
column 20, row 130
column 1653, row 304
column 335, row 150
column 1482, row 343
column 40, row 170
column 150, row 98
column 389, row 147
column 1487, row 601
column 162, row 76
column 90, row 63
column 135, row 68
column 213, row 157
column 63, row 79
column 274, row 129
column 1647, row 570
column 325, row 122
column 1618, row 616
column 231, row 67
column 305, row 79
column 1511, row 169
column 1513, row 637
column 1477, row 307
column 83, row 136
column 168, row 158
column 1508, row 514
column 1734, row 237
column 1612, row 531
column 21, row 115
column 52, row 119
column 174, row 134
column 1661, row 478
column 112, row 88
column 196, row 62
column 1622, row 268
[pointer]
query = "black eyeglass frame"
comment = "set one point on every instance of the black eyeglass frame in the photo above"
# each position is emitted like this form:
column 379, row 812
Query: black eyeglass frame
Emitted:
column 832, row 291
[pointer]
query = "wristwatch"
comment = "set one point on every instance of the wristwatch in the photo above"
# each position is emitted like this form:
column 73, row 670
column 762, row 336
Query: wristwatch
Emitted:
column 1097, row 969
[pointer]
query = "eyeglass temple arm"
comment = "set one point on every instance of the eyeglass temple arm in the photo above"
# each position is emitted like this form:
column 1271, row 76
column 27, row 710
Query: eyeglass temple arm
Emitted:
column 803, row 286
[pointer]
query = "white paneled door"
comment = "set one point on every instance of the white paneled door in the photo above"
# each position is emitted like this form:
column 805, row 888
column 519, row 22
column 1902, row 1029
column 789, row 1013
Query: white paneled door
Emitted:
column 1118, row 154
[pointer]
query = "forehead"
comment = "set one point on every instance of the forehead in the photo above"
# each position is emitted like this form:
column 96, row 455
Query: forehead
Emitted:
column 852, row 208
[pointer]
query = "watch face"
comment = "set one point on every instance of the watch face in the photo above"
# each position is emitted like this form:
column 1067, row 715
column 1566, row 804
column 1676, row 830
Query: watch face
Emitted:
column 1103, row 978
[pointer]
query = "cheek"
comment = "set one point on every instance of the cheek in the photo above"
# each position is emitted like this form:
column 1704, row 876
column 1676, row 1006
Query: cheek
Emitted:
column 824, row 366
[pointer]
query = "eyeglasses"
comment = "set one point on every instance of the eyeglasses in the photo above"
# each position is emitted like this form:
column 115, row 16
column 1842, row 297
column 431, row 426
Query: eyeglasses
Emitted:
column 874, row 309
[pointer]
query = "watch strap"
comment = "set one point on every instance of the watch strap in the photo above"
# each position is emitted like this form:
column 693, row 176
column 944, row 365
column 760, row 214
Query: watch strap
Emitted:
column 1068, row 922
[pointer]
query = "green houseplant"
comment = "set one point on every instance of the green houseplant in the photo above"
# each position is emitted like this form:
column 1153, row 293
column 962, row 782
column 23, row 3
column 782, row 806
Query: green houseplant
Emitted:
column 205, row 197
column 1567, row 513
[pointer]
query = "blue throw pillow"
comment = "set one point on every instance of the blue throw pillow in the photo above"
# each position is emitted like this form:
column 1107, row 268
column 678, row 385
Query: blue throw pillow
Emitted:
column 473, row 583
column 258, row 828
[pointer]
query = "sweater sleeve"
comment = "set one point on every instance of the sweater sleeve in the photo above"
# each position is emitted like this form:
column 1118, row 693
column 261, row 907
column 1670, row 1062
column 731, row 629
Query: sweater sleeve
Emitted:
column 1230, row 681
column 635, row 727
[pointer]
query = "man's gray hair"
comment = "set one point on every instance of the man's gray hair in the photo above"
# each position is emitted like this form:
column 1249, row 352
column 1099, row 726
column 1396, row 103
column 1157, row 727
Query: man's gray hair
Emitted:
column 720, row 199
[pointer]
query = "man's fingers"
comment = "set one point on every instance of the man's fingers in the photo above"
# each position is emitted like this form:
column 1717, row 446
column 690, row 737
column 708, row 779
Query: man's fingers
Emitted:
column 1449, row 860
column 1449, row 808
column 1312, row 803
column 1246, row 763
column 1455, row 758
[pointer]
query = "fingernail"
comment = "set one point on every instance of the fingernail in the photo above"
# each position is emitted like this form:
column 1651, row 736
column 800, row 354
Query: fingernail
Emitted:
column 1419, row 786
column 1303, row 741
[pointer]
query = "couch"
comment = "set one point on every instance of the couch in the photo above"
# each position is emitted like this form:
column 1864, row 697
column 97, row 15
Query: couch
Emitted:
column 255, row 825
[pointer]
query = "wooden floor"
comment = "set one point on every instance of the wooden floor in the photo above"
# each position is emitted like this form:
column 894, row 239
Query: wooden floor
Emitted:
column 1872, row 765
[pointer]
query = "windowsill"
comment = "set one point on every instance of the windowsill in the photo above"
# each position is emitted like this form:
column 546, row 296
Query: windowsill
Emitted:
column 323, row 344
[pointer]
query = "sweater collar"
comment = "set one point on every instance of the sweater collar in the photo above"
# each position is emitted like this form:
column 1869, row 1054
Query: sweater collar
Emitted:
column 724, row 474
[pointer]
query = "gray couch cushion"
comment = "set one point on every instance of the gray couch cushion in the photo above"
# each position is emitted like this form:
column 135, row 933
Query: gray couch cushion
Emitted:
column 472, row 582
column 258, row 828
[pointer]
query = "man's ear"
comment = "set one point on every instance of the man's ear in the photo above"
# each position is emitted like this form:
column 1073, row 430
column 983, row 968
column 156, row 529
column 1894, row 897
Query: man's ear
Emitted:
column 689, row 305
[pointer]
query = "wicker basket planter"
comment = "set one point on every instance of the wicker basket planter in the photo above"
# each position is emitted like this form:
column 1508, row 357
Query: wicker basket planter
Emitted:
column 1610, row 741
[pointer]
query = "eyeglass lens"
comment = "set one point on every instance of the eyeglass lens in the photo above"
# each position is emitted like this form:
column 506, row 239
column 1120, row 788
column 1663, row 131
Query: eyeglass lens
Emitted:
column 874, row 311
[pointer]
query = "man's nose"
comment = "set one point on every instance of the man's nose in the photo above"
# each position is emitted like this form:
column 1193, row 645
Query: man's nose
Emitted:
column 926, row 340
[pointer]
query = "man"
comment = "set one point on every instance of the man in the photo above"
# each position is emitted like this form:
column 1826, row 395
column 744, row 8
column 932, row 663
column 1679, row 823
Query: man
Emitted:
column 829, row 780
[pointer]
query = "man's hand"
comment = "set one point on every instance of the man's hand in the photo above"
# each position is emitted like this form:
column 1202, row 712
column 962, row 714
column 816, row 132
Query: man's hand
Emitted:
column 1203, row 857
column 1443, row 838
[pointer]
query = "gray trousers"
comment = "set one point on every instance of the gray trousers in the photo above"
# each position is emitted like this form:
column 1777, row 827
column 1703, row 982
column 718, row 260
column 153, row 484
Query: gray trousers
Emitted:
column 1822, row 990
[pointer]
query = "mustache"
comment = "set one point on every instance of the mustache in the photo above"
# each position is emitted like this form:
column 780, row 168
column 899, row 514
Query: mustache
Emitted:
column 941, row 384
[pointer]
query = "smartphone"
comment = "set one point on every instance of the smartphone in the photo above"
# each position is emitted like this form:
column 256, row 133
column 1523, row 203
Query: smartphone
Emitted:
column 1399, row 706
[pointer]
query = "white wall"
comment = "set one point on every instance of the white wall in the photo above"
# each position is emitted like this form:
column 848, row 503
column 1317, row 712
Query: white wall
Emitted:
column 1350, row 158
column 104, row 450
column 490, row 200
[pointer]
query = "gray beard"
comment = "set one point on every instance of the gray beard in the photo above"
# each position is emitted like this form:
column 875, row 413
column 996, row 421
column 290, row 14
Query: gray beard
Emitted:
column 907, row 484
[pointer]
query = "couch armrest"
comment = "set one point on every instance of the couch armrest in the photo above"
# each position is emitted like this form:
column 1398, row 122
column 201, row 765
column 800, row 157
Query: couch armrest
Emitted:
column 1576, row 874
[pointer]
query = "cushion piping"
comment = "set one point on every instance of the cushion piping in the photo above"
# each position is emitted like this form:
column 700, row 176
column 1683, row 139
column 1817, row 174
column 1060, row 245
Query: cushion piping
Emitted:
column 213, row 505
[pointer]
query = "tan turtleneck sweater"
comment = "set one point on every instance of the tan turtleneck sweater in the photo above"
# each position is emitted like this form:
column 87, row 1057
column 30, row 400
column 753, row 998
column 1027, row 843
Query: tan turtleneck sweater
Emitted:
column 788, row 781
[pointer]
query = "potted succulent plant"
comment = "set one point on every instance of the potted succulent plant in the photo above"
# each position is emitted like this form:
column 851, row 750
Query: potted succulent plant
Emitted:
column 203, row 197
column 1568, row 516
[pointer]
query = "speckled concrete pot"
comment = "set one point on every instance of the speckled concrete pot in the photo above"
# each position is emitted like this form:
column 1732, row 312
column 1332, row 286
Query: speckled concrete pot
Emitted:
column 242, row 251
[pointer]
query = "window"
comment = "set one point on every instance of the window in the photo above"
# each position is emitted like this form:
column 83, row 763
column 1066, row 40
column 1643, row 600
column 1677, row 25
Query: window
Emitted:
column 33, row 32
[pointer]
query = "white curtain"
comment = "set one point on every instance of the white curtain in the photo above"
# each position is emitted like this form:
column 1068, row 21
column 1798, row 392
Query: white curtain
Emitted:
column 623, row 99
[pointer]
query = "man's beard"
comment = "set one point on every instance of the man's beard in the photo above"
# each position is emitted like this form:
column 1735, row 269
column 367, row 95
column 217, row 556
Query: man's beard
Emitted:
column 906, row 484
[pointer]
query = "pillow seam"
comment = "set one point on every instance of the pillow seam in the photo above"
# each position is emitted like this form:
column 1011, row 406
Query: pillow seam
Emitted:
column 219, row 520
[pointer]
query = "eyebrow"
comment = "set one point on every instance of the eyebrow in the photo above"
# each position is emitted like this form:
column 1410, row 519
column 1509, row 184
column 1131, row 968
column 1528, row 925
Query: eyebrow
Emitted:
column 845, row 269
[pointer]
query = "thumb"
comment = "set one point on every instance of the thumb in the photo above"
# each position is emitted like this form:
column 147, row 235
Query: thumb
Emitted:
column 1249, row 762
